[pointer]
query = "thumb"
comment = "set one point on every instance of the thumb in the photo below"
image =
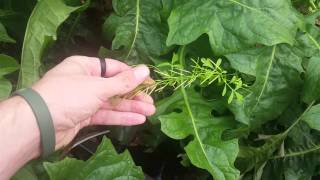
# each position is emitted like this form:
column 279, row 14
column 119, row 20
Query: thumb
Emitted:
column 124, row 82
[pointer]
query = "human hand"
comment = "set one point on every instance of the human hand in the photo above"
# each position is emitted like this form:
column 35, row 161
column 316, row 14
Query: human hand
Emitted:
column 77, row 96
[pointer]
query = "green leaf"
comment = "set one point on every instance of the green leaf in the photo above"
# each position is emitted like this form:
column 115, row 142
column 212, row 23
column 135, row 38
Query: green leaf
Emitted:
column 4, row 37
column 304, row 165
column 237, row 108
column 230, row 97
column 6, row 13
column 106, row 163
column 250, row 157
column 239, row 96
column 273, row 170
column 7, row 64
column 206, row 150
column 277, row 82
column 245, row 61
column 233, row 25
column 34, row 170
column 299, row 161
column 5, row 88
column 311, row 90
column 312, row 117
column 26, row 173
column 308, row 42
column 208, row 63
column 137, row 28
column 40, row 33
column 224, row 90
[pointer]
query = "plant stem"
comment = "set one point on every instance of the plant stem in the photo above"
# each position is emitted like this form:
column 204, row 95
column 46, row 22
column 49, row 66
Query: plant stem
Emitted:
column 298, row 153
column 299, row 118
column 136, row 28
column 313, row 40
column 313, row 5
column 186, row 101
column 285, row 133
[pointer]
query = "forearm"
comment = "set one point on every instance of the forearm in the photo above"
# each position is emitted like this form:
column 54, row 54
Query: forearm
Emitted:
column 19, row 138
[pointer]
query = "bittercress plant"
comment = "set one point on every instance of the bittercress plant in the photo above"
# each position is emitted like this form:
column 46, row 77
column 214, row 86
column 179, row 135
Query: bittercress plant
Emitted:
column 236, row 83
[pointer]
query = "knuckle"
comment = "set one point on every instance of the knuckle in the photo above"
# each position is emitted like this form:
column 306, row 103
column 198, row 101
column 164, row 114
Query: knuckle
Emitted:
column 74, row 58
column 71, row 58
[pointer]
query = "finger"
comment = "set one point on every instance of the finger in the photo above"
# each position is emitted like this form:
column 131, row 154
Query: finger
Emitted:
column 108, row 117
column 123, row 82
column 113, row 67
column 92, row 65
column 134, row 106
column 144, row 98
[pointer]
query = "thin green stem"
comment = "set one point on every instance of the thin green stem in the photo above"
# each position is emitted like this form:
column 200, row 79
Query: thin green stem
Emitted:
column 313, row 40
column 298, row 153
column 285, row 133
column 313, row 5
column 244, row 5
column 267, row 77
column 136, row 29
column 299, row 118
column 186, row 101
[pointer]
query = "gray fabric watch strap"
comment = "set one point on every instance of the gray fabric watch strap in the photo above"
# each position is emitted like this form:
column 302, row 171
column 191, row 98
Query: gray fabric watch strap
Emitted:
column 43, row 117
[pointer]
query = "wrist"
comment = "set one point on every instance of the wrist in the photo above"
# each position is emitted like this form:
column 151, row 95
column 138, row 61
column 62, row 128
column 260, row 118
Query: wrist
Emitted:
column 20, row 134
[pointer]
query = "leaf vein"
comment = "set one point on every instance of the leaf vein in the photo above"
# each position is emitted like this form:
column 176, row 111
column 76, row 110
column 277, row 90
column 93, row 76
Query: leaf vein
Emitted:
column 267, row 77
column 136, row 30
column 314, row 41
column 244, row 5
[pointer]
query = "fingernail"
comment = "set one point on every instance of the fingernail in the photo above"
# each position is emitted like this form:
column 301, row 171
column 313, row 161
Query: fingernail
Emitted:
column 141, row 72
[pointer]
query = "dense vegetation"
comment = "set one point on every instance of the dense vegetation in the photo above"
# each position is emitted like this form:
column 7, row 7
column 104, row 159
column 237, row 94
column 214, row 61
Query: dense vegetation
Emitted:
column 237, row 84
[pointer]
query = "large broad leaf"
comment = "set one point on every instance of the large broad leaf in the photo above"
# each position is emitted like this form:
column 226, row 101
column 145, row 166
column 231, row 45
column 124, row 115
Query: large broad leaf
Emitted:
column 312, row 117
column 14, row 16
column 188, row 114
column 297, row 163
column 311, row 90
column 26, row 173
column 308, row 42
column 254, row 157
column 34, row 170
column 296, row 147
column 298, row 159
column 4, row 37
column 137, row 29
column 234, row 24
column 277, row 81
column 7, row 64
column 5, row 88
column 245, row 61
column 106, row 163
column 41, row 31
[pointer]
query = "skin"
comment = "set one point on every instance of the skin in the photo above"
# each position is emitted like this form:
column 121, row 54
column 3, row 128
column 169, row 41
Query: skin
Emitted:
column 77, row 97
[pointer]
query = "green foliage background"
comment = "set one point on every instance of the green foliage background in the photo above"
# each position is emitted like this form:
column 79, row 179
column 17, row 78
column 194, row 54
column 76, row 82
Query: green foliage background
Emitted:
column 273, row 45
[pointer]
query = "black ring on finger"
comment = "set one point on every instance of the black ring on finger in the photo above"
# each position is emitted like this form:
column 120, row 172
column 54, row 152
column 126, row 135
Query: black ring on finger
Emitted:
column 103, row 65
